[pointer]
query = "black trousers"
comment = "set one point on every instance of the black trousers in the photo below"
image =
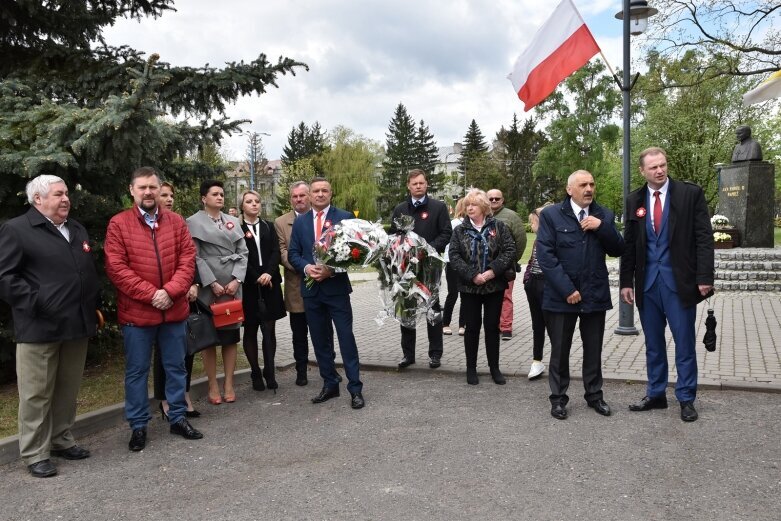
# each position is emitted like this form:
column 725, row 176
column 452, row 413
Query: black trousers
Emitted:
column 434, row 338
column 533, row 290
column 561, row 327
column 158, row 373
column 482, row 310
column 268, row 345
column 300, row 341
column 452, row 295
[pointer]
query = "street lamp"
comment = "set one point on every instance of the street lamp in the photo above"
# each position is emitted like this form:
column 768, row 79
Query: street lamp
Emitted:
column 252, row 152
column 634, row 24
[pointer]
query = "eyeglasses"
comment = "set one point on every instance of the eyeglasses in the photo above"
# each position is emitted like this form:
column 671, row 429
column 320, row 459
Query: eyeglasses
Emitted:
column 494, row 199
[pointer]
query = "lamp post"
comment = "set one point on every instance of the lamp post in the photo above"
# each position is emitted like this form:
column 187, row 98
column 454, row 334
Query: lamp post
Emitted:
column 252, row 154
column 635, row 23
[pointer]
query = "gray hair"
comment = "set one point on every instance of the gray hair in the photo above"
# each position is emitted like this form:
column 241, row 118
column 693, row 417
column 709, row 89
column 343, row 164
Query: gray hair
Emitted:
column 299, row 183
column 40, row 186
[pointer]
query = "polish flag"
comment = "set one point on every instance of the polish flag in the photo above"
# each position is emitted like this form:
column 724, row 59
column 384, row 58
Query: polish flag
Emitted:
column 561, row 46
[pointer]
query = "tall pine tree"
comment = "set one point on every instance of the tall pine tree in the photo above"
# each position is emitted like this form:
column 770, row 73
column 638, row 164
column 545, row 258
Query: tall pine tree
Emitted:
column 304, row 145
column 520, row 147
column 474, row 157
column 427, row 156
column 401, row 155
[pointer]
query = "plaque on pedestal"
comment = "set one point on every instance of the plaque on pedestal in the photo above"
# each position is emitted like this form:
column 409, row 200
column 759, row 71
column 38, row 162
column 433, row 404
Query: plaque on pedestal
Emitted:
column 746, row 192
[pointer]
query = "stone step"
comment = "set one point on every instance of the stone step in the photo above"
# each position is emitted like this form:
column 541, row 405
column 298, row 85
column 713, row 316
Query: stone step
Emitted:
column 751, row 285
column 748, row 275
column 749, row 265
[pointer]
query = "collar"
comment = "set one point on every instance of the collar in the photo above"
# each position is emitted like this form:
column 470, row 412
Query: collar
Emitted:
column 324, row 210
column 148, row 216
column 576, row 209
column 663, row 189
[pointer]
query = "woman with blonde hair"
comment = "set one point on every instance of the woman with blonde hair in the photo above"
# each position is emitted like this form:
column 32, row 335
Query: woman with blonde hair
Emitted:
column 222, row 265
column 481, row 251
column 262, row 296
column 452, row 280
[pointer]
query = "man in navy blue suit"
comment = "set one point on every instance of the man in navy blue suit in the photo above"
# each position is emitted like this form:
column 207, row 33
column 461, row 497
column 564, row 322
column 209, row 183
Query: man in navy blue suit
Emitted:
column 667, row 269
column 328, row 298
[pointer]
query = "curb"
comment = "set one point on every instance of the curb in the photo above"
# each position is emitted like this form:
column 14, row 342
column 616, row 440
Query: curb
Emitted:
column 107, row 417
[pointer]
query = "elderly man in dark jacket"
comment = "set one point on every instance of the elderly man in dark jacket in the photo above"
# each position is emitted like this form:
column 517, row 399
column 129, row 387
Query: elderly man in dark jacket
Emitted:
column 48, row 277
column 572, row 241
column 432, row 222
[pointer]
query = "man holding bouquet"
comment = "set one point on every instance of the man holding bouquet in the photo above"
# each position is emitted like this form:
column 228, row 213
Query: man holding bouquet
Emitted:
column 432, row 222
column 328, row 297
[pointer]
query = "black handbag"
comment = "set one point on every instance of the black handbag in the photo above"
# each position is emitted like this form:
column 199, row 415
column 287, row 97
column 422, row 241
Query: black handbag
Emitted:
column 201, row 332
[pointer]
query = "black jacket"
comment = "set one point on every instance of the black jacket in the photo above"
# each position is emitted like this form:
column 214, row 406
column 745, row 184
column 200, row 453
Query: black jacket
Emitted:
column 691, row 242
column 432, row 221
column 50, row 283
column 501, row 256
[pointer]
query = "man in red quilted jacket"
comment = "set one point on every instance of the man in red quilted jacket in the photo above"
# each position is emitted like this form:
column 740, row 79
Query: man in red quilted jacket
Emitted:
column 150, row 258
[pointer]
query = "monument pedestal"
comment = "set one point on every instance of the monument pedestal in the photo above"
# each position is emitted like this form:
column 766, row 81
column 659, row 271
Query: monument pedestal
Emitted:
column 746, row 192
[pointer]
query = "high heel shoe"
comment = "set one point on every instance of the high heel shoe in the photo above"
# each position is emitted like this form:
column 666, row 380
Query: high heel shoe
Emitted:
column 230, row 398
column 215, row 401
column 163, row 414
column 257, row 381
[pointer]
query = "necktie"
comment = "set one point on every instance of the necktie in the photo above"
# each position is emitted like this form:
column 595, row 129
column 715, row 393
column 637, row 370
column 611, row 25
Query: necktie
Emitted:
column 319, row 225
column 417, row 203
column 657, row 211
column 254, row 230
column 582, row 214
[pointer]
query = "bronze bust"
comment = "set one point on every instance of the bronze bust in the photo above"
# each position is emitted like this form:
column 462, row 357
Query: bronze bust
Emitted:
column 747, row 149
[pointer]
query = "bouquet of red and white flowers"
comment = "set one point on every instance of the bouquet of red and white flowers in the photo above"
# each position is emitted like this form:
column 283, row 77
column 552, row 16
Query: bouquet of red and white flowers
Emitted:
column 351, row 242
column 410, row 272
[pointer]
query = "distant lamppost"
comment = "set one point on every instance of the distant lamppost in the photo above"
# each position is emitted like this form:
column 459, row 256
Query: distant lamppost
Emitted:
column 252, row 154
column 634, row 24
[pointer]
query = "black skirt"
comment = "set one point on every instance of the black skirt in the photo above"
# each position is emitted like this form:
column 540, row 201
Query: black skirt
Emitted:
column 273, row 301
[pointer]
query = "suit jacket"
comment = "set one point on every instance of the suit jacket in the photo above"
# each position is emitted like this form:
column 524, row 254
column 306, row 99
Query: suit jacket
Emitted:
column 221, row 254
column 299, row 254
column 432, row 221
column 690, row 235
column 283, row 225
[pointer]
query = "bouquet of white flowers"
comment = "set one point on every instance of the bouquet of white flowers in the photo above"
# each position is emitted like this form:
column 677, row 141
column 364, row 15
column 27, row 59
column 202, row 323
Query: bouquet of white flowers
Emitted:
column 719, row 221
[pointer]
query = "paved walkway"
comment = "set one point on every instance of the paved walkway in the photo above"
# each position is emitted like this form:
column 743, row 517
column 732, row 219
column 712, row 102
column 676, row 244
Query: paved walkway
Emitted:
column 747, row 356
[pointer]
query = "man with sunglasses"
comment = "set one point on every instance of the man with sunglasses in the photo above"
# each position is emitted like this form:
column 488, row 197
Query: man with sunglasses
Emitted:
column 518, row 231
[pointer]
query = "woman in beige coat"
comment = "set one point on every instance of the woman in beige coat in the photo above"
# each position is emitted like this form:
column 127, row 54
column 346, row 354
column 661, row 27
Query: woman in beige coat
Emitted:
column 222, row 265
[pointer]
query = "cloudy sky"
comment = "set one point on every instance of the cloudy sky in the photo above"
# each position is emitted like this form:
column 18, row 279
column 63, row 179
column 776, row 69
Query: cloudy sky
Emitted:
column 446, row 60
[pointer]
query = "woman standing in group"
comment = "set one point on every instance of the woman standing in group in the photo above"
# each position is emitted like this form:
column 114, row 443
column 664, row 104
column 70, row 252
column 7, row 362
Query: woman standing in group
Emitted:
column 452, row 280
column 481, row 251
column 533, row 285
column 166, row 200
column 263, row 303
column 222, row 265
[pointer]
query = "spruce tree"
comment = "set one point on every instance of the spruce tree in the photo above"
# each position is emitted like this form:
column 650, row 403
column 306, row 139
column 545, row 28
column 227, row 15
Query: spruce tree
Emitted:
column 303, row 143
column 474, row 154
column 427, row 157
column 402, row 154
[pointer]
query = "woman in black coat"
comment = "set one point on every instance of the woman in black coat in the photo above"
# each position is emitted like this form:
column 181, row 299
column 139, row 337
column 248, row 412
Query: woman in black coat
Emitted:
column 481, row 251
column 262, row 297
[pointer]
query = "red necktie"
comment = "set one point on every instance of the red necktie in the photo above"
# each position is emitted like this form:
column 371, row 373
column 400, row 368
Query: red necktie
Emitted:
column 658, row 212
column 319, row 225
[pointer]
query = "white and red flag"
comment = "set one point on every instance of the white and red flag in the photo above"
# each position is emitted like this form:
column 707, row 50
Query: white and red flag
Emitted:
column 561, row 46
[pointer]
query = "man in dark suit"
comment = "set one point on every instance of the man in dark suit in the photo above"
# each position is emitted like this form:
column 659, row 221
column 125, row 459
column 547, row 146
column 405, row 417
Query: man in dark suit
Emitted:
column 328, row 298
column 432, row 222
column 667, row 269
column 572, row 241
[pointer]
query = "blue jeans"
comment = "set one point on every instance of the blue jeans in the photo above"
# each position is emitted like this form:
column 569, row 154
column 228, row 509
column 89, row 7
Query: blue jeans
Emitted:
column 172, row 342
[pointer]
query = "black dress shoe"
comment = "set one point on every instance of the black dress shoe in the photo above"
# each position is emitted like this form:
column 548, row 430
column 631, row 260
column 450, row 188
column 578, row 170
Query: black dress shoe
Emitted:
column 192, row 414
column 406, row 362
column 648, row 403
column 137, row 440
column 434, row 362
column 71, row 453
column 600, row 406
column 326, row 394
column 688, row 412
column 43, row 469
column 301, row 380
column 185, row 430
column 559, row 412
column 357, row 401
column 471, row 377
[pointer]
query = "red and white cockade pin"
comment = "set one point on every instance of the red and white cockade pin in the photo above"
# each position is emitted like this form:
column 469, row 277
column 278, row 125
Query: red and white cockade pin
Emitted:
column 85, row 247
column 156, row 226
column 248, row 235
column 424, row 215
column 492, row 233
column 328, row 224
column 229, row 225
column 640, row 212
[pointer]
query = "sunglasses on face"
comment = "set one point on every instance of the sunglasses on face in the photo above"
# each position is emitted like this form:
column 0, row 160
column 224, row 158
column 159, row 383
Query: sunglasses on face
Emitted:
column 494, row 199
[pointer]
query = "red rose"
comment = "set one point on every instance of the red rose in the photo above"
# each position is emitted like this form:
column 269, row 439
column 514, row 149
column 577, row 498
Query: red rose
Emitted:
column 355, row 253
